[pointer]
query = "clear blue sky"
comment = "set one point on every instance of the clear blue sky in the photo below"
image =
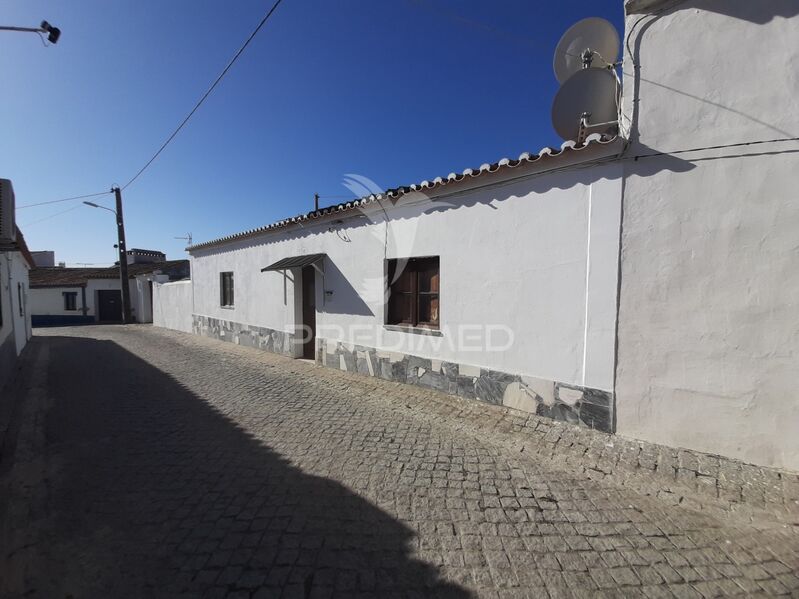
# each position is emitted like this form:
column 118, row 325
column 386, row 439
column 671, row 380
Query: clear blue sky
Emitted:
column 395, row 90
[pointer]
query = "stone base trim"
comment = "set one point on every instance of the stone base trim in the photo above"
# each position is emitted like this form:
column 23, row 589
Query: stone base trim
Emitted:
column 591, row 408
column 279, row 342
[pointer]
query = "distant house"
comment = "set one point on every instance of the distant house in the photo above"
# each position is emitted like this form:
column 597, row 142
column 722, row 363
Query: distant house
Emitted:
column 64, row 296
column 15, row 322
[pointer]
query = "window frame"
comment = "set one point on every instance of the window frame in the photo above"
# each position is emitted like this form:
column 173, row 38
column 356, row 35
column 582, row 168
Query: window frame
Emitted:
column 415, row 266
column 70, row 297
column 227, row 295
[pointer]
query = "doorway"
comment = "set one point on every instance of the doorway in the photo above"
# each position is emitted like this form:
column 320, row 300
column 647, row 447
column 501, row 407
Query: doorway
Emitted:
column 309, row 312
column 109, row 305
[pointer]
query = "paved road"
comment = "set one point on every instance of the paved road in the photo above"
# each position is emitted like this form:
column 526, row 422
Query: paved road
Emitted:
column 156, row 464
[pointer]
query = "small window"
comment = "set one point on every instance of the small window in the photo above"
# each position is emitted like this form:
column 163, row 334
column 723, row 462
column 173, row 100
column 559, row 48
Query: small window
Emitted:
column 21, row 299
column 70, row 300
column 226, row 288
column 413, row 292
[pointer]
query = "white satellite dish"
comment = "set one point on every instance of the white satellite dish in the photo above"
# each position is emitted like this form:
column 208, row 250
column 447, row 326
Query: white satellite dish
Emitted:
column 594, row 40
column 586, row 103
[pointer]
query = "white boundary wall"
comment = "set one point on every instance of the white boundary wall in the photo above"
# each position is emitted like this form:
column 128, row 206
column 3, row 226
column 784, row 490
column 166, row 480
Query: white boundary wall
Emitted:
column 172, row 305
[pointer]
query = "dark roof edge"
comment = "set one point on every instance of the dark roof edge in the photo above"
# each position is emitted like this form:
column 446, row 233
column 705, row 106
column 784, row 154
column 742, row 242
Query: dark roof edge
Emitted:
column 566, row 147
column 23, row 249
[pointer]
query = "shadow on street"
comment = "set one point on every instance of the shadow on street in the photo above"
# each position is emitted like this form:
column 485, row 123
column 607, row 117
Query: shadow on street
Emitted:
column 152, row 492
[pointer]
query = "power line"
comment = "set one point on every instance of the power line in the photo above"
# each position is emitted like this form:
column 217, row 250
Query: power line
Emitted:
column 91, row 195
column 50, row 216
column 206, row 94
column 718, row 147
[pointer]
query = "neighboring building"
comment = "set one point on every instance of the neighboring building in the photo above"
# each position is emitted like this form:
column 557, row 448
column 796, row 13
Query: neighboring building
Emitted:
column 15, row 262
column 63, row 296
column 645, row 285
column 137, row 256
column 44, row 258
column 709, row 307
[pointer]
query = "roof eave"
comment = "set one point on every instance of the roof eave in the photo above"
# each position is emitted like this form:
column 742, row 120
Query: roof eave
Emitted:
column 547, row 154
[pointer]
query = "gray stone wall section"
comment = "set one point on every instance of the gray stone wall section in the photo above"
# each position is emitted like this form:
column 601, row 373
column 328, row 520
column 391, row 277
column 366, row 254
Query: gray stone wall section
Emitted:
column 591, row 408
column 278, row 342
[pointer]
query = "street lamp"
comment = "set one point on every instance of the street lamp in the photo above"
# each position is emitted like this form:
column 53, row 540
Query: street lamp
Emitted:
column 123, row 254
column 93, row 205
column 53, row 33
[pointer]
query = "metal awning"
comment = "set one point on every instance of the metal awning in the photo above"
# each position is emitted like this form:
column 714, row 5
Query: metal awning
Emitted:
column 296, row 262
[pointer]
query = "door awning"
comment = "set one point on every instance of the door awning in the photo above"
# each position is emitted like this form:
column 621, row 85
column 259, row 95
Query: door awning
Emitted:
column 295, row 262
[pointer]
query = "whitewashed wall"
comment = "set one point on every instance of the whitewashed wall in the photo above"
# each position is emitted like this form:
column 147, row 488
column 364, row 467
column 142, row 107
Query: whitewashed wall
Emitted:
column 708, row 326
column 20, row 310
column 172, row 305
column 49, row 301
column 537, row 256
column 141, row 297
column 15, row 330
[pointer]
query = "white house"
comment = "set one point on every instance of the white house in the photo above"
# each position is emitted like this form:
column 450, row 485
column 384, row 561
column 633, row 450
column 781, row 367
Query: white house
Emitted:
column 15, row 262
column 497, row 284
column 66, row 296
column 643, row 284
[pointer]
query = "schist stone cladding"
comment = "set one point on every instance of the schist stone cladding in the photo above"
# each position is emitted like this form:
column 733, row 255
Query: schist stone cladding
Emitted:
column 583, row 406
column 278, row 342
column 578, row 405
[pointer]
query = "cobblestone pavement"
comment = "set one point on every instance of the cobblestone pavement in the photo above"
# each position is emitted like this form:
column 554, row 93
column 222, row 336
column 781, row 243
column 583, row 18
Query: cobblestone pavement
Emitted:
column 151, row 463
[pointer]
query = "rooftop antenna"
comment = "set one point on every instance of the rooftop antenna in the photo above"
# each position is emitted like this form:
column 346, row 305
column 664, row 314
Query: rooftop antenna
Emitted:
column 584, row 64
column 187, row 238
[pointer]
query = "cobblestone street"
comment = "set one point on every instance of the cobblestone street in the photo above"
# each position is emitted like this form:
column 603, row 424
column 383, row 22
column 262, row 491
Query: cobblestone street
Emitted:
column 151, row 463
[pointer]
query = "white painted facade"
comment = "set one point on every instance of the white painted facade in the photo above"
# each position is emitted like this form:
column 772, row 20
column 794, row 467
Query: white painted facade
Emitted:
column 15, row 330
column 172, row 305
column 537, row 257
column 49, row 301
column 707, row 347
column 709, row 309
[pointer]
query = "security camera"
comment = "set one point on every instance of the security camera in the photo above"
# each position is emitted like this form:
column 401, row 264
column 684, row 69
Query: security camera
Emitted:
column 53, row 33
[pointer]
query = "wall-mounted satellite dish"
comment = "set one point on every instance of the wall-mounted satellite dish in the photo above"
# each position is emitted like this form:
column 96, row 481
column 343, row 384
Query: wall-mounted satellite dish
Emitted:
column 595, row 35
column 586, row 103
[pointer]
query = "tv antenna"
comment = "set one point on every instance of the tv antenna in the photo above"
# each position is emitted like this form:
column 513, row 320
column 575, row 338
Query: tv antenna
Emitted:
column 186, row 238
column 587, row 101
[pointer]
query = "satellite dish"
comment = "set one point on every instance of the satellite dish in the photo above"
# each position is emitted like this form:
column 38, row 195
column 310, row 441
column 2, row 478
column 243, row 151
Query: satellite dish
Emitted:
column 591, row 91
column 594, row 34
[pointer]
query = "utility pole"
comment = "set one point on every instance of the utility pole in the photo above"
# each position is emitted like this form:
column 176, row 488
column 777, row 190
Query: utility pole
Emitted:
column 123, row 259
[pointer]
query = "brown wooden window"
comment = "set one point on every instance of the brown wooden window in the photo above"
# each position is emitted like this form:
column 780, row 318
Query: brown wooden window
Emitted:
column 413, row 292
column 226, row 288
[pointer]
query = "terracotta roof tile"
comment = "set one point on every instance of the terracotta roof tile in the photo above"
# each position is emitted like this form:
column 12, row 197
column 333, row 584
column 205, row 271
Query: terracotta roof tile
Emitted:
column 505, row 163
column 51, row 276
